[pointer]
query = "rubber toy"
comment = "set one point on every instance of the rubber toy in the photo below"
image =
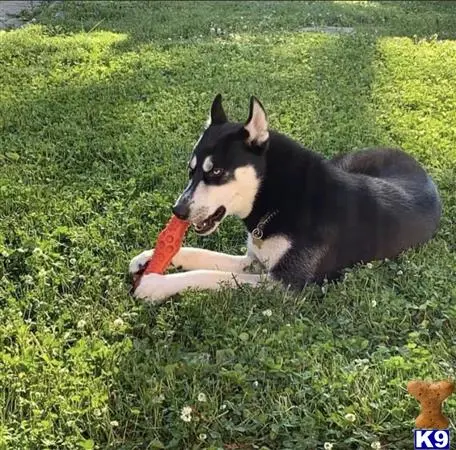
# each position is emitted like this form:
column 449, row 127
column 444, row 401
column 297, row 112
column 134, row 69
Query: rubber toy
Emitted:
column 168, row 243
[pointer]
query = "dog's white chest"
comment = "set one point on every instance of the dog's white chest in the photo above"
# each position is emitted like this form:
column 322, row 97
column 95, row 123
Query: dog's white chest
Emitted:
column 270, row 251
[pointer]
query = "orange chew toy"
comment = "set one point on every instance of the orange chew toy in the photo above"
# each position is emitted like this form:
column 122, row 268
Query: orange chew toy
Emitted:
column 168, row 243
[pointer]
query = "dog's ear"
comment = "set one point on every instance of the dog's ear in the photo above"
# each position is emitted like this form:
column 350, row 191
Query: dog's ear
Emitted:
column 257, row 124
column 217, row 115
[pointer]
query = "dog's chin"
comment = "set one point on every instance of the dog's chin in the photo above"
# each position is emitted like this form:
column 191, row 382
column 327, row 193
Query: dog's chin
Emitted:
column 210, row 223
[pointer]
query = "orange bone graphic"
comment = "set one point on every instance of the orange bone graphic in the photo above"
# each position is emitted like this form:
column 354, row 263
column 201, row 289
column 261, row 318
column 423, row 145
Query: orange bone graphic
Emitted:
column 431, row 396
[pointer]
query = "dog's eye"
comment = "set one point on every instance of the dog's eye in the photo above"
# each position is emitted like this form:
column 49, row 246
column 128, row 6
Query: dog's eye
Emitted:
column 216, row 172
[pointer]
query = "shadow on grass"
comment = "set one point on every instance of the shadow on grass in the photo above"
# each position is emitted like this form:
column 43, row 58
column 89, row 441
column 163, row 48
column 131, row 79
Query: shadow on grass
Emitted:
column 342, row 115
column 146, row 110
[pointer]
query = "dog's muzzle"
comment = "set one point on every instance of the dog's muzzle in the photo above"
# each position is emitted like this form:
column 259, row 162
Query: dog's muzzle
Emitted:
column 181, row 210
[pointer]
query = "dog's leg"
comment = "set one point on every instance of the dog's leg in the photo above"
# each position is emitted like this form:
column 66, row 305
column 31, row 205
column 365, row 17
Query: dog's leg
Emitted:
column 189, row 258
column 156, row 288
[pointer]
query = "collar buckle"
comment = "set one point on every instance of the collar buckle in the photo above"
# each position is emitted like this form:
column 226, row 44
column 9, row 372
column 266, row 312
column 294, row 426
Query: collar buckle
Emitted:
column 257, row 232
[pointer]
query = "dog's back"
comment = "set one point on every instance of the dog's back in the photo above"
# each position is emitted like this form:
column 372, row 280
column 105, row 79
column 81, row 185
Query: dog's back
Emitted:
column 359, row 207
column 392, row 205
column 402, row 190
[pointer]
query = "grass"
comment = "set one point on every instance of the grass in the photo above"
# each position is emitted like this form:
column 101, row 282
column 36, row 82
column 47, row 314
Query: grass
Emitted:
column 99, row 108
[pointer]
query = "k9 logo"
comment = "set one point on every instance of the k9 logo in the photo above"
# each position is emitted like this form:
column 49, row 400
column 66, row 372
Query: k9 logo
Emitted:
column 432, row 439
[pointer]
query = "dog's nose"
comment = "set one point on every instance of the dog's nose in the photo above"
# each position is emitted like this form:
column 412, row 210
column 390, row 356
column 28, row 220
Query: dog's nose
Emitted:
column 181, row 210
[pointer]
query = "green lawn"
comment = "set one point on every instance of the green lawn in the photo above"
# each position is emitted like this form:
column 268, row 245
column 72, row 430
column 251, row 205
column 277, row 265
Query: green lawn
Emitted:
column 100, row 105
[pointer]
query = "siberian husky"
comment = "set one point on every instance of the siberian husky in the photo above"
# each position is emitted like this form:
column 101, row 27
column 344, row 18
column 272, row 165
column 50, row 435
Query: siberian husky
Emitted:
column 307, row 217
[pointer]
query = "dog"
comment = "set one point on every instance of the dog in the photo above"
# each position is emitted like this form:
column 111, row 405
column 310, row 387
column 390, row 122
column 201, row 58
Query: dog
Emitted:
column 308, row 217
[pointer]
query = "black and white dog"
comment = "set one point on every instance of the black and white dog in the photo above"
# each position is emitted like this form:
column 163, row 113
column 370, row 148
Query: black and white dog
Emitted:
column 307, row 217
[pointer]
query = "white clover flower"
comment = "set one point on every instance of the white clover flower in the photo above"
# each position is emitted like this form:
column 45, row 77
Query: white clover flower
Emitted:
column 202, row 397
column 159, row 399
column 399, row 272
column 328, row 446
column 376, row 445
column 350, row 417
column 202, row 437
column 81, row 324
column 267, row 313
column 369, row 265
column 114, row 423
column 255, row 384
column 374, row 303
column 223, row 406
column 118, row 322
column 28, row 279
column 186, row 414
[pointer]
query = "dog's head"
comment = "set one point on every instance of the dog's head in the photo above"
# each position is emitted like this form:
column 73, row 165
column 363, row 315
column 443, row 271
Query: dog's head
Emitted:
column 225, row 168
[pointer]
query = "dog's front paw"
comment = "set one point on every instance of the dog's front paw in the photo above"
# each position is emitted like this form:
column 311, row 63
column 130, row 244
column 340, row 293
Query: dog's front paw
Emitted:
column 153, row 288
column 138, row 263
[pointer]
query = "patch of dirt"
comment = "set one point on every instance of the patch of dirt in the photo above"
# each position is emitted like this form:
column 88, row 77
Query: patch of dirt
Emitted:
column 330, row 30
column 10, row 12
